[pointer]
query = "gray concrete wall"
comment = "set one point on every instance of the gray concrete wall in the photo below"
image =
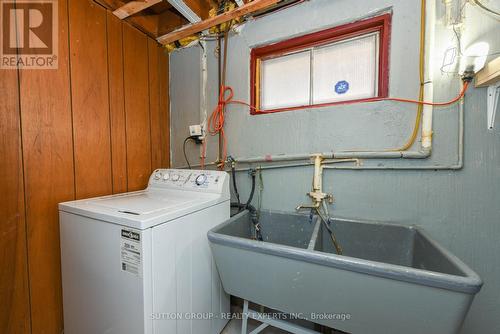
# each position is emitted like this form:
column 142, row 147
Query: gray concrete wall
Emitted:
column 459, row 208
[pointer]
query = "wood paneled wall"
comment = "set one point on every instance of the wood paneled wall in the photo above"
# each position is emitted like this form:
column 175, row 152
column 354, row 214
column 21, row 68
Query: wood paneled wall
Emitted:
column 97, row 125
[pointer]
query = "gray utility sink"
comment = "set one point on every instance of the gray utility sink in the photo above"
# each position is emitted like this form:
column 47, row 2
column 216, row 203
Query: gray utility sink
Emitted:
column 391, row 278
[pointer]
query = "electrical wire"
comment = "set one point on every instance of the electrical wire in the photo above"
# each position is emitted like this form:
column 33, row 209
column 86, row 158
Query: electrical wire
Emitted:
column 217, row 119
column 435, row 104
column 489, row 10
column 184, row 150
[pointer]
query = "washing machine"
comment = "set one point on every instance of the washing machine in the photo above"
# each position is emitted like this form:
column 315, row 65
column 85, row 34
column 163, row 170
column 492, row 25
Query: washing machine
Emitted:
column 140, row 262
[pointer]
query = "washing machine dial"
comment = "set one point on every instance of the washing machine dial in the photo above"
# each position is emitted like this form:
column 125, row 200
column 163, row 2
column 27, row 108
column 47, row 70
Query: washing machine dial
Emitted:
column 175, row 177
column 166, row 176
column 200, row 179
column 158, row 175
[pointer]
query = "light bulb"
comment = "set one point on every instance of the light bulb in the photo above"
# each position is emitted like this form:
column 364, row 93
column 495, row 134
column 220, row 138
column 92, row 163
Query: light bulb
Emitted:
column 474, row 57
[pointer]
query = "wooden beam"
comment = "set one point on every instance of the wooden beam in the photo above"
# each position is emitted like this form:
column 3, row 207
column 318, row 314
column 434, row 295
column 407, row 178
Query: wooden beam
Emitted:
column 489, row 74
column 191, row 29
column 133, row 7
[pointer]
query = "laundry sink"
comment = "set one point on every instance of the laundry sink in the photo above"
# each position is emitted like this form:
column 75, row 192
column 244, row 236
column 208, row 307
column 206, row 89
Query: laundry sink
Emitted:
column 390, row 278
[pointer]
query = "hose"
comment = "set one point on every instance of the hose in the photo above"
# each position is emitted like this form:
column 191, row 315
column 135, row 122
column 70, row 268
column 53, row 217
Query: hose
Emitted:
column 338, row 249
column 250, row 198
column 254, row 215
column 254, row 218
column 233, row 176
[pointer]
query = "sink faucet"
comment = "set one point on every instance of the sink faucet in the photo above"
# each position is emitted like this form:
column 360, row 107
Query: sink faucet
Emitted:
column 317, row 195
column 318, row 198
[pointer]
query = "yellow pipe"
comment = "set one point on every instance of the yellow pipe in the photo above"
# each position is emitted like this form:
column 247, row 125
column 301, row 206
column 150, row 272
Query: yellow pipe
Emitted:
column 420, row 107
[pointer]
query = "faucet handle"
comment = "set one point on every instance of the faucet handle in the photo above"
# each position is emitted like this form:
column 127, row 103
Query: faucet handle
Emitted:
column 330, row 198
column 306, row 206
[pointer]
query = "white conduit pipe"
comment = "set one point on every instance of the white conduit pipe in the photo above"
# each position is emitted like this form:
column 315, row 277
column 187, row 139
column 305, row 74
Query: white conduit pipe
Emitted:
column 430, row 18
column 203, row 94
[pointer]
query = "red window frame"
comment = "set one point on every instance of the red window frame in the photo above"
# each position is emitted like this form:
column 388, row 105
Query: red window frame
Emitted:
column 380, row 24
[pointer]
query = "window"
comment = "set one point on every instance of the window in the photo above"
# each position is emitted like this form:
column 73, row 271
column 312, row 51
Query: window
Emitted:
column 342, row 64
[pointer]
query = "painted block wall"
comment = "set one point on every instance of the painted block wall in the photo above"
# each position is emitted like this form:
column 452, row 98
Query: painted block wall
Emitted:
column 459, row 208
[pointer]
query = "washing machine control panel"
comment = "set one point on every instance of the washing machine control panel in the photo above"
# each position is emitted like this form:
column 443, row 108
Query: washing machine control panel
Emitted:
column 189, row 179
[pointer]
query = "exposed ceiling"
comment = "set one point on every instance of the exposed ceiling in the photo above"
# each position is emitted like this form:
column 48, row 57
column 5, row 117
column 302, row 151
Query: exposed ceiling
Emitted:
column 171, row 20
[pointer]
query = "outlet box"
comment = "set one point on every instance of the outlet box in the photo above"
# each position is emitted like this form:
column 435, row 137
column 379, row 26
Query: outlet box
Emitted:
column 196, row 130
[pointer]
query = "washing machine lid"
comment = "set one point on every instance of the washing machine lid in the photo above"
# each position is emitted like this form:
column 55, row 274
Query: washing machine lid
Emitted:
column 166, row 198
column 143, row 209
column 144, row 203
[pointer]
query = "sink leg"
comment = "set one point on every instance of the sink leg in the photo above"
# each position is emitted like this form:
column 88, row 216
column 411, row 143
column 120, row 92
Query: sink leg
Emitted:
column 244, row 323
column 267, row 321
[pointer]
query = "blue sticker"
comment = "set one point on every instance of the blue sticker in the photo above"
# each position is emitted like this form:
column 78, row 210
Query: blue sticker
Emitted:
column 341, row 87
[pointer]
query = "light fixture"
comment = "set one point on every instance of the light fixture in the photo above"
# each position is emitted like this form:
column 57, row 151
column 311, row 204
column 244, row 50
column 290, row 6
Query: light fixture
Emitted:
column 474, row 58
column 471, row 62
column 453, row 13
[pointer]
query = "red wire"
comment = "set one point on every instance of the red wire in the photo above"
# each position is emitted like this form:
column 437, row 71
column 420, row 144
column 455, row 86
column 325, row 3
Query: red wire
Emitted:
column 456, row 99
column 217, row 119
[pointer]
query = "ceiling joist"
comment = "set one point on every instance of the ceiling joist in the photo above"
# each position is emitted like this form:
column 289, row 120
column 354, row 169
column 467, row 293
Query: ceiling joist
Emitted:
column 134, row 7
column 194, row 28
column 165, row 20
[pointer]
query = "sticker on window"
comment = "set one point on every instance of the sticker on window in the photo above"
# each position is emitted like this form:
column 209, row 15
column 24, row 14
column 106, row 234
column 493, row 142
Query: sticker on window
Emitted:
column 131, row 251
column 341, row 87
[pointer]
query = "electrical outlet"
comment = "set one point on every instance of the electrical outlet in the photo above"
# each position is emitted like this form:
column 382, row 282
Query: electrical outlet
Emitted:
column 196, row 130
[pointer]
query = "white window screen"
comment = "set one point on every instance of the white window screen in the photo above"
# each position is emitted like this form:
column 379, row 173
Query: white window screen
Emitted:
column 343, row 70
column 285, row 81
column 346, row 70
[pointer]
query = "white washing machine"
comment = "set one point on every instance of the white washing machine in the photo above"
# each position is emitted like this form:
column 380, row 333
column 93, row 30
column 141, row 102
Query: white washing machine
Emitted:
column 140, row 262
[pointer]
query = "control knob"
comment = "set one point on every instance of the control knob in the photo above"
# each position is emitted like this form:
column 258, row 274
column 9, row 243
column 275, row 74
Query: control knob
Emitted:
column 200, row 179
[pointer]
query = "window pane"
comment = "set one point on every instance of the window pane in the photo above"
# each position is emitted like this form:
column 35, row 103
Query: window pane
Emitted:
column 285, row 81
column 346, row 70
